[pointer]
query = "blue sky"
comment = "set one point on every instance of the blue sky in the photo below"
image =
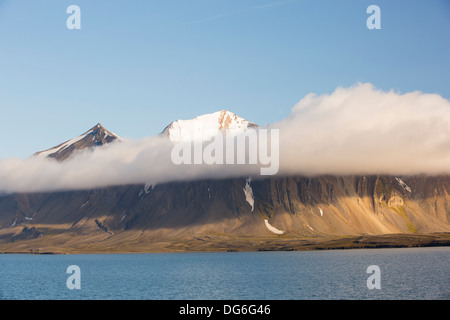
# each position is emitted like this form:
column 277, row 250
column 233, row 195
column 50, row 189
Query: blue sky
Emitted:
column 135, row 66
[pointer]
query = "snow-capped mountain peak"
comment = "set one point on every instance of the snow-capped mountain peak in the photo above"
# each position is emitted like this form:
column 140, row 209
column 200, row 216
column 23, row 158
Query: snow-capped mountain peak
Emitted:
column 96, row 136
column 208, row 124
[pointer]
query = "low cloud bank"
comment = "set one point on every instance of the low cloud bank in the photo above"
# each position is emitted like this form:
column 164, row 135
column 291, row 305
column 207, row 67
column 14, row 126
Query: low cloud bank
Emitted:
column 356, row 130
column 362, row 130
column 146, row 161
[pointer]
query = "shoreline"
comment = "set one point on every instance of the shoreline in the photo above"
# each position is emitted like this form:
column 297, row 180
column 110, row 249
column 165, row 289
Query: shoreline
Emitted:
column 242, row 244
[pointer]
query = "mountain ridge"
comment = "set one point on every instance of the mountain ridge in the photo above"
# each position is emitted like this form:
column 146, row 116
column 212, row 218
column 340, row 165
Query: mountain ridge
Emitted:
column 96, row 136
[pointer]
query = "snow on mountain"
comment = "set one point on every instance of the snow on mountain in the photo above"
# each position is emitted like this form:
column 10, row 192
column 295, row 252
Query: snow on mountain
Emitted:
column 96, row 136
column 403, row 184
column 249, row 193
column 272, row 228
column 203, row 127
column 60, row 148
column 206, row 126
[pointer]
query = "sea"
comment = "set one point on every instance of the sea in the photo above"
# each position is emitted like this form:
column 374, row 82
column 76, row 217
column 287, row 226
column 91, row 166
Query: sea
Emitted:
column 356, row 274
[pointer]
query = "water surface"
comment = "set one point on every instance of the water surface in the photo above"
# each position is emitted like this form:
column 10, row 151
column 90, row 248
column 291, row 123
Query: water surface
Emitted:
column 413, row 273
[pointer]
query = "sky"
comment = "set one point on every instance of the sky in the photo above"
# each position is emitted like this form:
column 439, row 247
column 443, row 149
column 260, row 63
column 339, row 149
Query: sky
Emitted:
column 136, row 66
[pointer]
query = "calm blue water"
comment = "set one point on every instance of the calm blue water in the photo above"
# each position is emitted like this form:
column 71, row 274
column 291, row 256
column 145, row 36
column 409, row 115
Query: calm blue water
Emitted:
column 416, row 273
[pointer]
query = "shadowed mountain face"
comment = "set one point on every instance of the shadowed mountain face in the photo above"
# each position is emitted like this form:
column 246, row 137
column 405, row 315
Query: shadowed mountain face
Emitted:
column 299, row 207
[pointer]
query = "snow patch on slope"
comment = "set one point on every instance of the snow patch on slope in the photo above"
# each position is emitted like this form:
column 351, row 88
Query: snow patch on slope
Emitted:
column 271, row 228
column 249, row 193
column 63, row 146
column 146, row 189
column 403, row 184
column 122, row 218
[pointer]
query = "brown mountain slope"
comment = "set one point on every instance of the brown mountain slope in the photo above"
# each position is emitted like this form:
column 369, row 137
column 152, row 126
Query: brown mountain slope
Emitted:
column 139, row 217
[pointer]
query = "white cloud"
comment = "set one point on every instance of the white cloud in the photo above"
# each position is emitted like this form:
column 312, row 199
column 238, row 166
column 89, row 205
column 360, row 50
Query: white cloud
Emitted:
column 365, row 130
column 145, row 161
